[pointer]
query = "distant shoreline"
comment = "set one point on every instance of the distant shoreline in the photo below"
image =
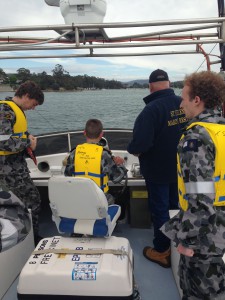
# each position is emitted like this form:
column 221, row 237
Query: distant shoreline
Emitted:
column 6, row 88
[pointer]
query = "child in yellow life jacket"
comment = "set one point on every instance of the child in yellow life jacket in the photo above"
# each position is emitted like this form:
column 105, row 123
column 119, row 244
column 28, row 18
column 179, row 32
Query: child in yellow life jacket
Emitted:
column 93, row 160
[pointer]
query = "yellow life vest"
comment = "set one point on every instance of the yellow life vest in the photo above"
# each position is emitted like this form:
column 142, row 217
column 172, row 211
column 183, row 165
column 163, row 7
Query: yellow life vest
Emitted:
column 20, row 126
column 87, row 163
column 217, row 185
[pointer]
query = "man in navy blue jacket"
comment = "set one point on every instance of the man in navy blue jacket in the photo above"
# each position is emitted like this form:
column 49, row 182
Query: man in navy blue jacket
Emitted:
column 156, row 133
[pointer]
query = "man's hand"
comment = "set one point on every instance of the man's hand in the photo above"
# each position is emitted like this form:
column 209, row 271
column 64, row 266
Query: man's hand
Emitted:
column 33, row 141
column 185, row 251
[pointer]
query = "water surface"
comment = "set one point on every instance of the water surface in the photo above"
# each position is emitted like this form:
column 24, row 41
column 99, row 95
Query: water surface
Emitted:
column 64, row 111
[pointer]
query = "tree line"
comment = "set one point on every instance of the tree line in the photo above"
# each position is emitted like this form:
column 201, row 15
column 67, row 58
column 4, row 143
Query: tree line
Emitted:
column 59, row 80
column 62, row 80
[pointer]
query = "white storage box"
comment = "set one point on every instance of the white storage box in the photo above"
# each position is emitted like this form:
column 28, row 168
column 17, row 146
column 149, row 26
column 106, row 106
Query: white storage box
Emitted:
column 73, row 276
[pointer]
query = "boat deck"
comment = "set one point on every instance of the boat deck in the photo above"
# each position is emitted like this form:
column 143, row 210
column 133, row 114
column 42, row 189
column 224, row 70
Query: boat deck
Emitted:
column 154, row 282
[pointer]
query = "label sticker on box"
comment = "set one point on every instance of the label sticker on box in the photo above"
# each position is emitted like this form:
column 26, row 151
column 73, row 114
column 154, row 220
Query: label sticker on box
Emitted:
column 84, row 271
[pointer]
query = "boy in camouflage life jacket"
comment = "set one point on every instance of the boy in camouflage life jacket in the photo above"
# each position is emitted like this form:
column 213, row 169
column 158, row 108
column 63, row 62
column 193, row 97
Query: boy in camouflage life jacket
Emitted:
column 15, row 141
column 198, row 230
column 95, row 161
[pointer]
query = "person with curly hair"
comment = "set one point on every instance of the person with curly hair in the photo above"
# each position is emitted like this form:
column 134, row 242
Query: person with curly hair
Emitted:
column 198, row 229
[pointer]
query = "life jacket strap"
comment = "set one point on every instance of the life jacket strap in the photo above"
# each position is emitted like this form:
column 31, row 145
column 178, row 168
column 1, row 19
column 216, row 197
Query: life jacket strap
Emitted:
column 103, row 186
column 96, row 175
column 19, row 134
column 217, row 178
column 78, row 173
column 89, row 174
column 222, row 198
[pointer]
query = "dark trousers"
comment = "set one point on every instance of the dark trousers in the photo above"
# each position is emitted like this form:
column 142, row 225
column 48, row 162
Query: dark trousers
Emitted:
column 161, row 198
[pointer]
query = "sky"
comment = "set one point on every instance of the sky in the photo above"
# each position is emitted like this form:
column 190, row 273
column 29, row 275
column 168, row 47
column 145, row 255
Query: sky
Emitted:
column 37, row 12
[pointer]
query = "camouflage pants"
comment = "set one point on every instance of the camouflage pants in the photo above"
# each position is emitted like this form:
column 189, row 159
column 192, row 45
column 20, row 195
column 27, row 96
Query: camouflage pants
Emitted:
column 202, row 277
column 23, row 187
column 14, row 220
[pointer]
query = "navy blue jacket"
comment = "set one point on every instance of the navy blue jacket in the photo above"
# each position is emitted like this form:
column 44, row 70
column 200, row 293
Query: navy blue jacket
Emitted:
column 156, row 134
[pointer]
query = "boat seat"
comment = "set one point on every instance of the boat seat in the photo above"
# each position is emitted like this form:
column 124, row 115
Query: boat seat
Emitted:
column 56, row 170
column 79, row 206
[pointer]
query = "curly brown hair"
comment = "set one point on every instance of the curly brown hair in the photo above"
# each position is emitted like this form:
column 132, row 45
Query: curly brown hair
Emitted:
column 208, row 86
column 33, row 91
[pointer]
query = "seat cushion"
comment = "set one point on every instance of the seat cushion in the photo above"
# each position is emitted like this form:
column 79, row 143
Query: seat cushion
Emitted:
column 99, row 228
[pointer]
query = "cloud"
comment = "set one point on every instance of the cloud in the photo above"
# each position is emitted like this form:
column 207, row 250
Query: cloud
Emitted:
column 37, row 12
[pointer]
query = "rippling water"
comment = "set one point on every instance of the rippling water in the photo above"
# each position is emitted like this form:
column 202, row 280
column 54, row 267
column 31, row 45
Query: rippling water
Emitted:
column 64, row 111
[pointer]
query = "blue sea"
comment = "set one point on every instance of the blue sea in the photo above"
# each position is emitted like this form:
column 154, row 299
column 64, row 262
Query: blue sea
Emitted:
column 64, row 111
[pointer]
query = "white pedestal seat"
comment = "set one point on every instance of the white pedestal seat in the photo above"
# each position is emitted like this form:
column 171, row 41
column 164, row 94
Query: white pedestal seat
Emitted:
column 79, row 206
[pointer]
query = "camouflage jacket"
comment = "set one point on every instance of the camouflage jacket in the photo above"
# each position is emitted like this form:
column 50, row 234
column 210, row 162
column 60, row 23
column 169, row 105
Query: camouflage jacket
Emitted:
column 202, row 226
column 15, row 222
column 14, row 163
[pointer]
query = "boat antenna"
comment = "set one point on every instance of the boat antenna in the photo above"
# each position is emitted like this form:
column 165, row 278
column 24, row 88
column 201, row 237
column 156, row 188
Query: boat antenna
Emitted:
column 205, row 58
column 201, row 63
